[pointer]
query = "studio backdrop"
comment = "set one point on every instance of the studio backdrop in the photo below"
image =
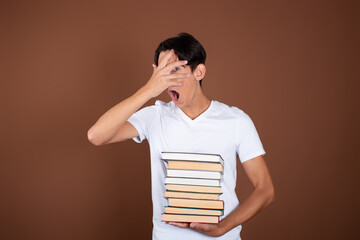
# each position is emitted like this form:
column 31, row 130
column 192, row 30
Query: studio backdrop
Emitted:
column 291, row 65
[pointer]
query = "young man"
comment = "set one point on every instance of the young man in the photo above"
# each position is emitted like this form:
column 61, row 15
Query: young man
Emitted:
column 190, row 123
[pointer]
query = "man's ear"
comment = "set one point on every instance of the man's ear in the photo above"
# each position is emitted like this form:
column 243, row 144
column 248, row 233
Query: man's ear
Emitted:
column 200, row 71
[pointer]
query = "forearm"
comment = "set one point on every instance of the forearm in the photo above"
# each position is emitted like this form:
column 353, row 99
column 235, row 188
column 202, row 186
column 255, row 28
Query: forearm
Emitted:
column 259, row 199
column 111, row 121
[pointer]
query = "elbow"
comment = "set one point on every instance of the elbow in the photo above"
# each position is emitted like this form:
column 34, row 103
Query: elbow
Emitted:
column 93, row 138
column 268, row 194
column 271, row 194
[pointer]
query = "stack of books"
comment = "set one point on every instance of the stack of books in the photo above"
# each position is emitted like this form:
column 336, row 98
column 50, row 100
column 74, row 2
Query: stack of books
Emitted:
column 193, row 187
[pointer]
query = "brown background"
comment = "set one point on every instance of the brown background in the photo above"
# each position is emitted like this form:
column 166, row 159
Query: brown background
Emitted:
column 291, row 65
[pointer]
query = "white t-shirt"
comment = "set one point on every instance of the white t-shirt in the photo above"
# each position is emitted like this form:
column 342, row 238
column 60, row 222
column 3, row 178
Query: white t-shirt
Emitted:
column 221, row 129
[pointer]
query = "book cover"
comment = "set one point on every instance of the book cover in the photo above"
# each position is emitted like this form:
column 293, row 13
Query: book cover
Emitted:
column 201, row 166
column 194, row 189
column 205, row 196
column 195, row 203
column 189, row 218
column 202, row 157
column 193, row 211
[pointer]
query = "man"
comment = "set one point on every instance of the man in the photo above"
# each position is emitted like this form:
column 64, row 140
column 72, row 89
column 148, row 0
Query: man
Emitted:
column 190, row 123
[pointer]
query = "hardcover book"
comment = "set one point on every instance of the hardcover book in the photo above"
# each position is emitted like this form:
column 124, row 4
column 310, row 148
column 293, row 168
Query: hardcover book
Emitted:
column 193, row 174
column 196, row 203
column 194, row 211
column 189, row 218
column 194, row 189
column 193, row 181
column 195, row 166
column 201, row 157
column 205, row 196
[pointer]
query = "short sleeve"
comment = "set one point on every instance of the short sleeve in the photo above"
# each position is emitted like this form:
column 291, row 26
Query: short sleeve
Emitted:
column 141, row 121
column 248, row 140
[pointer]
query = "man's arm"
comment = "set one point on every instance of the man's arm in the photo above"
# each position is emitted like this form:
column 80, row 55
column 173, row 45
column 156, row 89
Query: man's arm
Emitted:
column 112, row 126
column 263, row 194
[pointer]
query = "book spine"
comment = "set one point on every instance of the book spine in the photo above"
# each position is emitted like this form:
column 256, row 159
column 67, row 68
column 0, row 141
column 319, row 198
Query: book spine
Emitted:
column 194, row 174
column 192, row 181
column 216, row 218
column 196, row 203
column 194, row 211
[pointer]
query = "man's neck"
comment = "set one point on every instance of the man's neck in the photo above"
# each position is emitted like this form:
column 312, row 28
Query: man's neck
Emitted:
column 199, row 105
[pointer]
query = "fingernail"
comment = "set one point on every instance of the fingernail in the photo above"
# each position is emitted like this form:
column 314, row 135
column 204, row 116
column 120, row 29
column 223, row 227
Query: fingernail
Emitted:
column 188, row 75
column 185, row 61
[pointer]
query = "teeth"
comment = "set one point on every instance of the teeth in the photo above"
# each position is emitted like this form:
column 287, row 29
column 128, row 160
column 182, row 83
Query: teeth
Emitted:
column 176, row 95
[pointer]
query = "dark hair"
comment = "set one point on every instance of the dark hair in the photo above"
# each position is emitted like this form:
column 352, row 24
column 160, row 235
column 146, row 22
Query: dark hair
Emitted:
column 186, row 47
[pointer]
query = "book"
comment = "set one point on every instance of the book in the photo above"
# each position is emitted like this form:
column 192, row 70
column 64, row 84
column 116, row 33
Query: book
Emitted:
column 208, row 196
column 189, row 218
column 194, row 211
column 194, row 189
column 193, row 181
column 201, row 157
column 195, row 166
column 196, row 203
column 193, row 174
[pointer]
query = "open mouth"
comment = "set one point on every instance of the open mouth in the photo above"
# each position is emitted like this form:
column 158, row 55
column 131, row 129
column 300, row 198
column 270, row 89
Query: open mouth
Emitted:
column 174, row 95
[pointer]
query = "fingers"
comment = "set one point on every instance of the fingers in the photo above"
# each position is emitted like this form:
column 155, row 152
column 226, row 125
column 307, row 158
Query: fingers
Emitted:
column 169, row 67
column 176, row 76
column 175, row 83
column 165, row 59
column 178, row 224
column 154, row 67
column 201, row 227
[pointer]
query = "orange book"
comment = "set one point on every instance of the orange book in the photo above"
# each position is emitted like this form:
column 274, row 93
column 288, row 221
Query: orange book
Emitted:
column 196, row 203
column 208, row 196
column 189, row 218
column 195, row 166
column 194, row 211
column 195, row 189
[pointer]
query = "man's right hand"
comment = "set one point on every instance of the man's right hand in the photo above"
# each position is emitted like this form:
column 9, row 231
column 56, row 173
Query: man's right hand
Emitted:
column 112, row 126
column 162, row 78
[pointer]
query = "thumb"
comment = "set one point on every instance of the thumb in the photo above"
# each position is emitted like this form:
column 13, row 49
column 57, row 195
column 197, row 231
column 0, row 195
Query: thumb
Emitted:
column 154, row 67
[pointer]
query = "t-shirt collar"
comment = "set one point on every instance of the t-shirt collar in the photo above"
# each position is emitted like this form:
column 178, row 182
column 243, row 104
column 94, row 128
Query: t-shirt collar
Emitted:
column 198, row 118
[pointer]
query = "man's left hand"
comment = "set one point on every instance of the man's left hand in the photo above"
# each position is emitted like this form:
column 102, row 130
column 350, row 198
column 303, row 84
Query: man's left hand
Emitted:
column 213, row 230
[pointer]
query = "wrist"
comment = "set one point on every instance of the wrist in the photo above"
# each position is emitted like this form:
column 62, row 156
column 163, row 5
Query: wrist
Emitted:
column 223, row 227
column 145, row 92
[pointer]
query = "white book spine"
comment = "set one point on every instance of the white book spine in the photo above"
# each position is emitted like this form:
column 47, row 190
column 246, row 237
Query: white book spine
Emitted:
column 193, row 181
column 193, row 174
column 192, row 157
